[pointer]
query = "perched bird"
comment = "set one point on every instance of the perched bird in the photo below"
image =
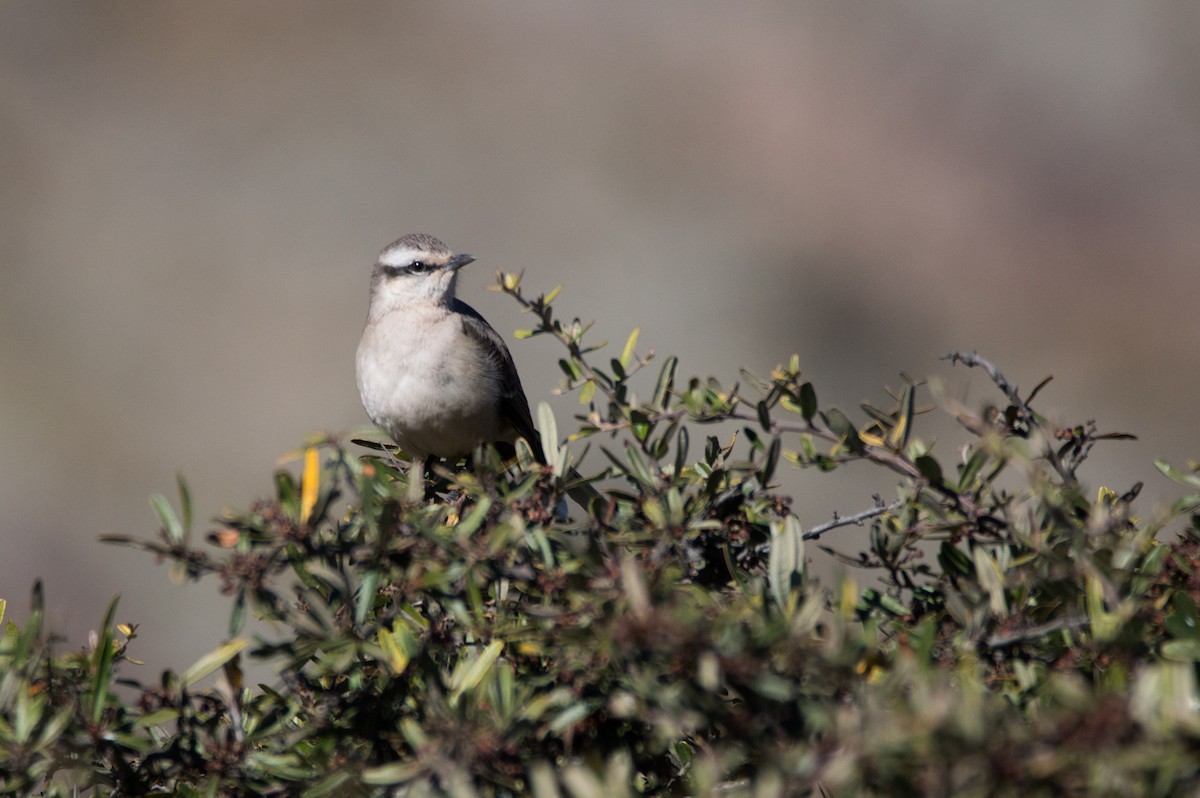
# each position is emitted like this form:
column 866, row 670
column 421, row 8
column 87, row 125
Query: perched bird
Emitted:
column 431, row 371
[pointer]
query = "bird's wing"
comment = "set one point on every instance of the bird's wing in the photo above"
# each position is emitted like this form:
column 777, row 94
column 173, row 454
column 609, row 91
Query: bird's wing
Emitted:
column 514, row 407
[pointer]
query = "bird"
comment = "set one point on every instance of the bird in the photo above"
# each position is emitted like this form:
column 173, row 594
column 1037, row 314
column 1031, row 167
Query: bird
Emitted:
column 431, row 371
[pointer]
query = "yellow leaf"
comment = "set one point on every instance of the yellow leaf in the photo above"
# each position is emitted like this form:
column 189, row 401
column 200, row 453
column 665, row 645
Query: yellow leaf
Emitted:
column 309, row 484
column 627, row 354
column 870, row 438
column 397, row 658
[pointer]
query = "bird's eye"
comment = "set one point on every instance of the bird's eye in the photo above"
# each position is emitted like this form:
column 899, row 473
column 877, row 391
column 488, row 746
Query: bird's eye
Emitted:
column 418, row 267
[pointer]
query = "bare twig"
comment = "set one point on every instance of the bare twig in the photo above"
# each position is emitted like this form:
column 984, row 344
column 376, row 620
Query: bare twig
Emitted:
column 974, row 360
column 1034, row 632
column 857, row 519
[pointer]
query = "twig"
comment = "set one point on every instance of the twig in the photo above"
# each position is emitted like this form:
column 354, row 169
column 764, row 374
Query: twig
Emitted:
column 1034, row 632
column 973, row 359
column 856, row 519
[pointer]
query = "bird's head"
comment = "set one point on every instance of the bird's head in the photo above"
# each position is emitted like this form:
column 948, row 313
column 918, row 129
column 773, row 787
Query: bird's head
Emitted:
column 416, row 269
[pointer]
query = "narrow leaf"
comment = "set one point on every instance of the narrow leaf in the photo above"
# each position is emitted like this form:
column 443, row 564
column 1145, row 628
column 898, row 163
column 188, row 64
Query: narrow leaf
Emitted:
column 991, row 579
column 468, row 675
column 898, row 437
column 366, row 596
column 666, row 382
column 548, row 429
column 630, row 345
column 213, row 660
column 785, row 564
column 166, row 516
column 638, row 468
column 309, row 484
column 185, row 503
column 104, row 653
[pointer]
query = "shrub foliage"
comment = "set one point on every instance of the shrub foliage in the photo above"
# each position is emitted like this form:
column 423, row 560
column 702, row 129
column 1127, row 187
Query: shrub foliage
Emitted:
column 1005, row 631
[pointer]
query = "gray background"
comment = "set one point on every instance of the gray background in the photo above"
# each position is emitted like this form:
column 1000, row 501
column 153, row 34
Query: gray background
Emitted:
column 192, row 196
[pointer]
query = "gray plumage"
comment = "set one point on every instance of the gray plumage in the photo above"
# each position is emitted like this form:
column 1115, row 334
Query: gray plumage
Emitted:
column 431, row 371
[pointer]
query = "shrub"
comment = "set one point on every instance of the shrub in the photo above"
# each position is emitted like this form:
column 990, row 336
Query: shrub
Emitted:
column 1011, row 634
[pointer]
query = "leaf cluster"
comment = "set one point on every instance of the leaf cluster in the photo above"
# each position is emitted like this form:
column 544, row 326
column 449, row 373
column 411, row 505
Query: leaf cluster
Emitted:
column 1004, row 631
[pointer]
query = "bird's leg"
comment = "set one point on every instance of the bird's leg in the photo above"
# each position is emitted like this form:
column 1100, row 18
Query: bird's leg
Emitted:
column 392, row 458
column 416, row 480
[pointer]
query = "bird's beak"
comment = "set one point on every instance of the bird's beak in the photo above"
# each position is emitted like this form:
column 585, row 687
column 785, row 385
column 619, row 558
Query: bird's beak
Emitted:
column 458, row 261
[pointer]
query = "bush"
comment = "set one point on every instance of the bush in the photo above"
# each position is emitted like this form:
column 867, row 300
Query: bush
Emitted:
column 1011, row 634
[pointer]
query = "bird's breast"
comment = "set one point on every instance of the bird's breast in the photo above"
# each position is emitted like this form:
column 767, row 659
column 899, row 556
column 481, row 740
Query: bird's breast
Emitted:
column 421, row 380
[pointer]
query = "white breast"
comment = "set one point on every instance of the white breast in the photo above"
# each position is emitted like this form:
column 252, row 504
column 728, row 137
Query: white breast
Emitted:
column 423, row 382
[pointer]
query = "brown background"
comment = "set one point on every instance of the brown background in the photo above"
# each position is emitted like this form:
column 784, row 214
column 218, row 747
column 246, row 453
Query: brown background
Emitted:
column 192, row 195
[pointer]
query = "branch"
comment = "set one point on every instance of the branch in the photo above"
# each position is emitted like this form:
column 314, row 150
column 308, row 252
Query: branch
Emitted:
column 1034, row 632
column 856, row 519
column 973, row 359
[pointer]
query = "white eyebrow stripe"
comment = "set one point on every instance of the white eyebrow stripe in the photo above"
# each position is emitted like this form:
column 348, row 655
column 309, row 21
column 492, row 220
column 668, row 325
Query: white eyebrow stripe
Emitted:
column 400, row 256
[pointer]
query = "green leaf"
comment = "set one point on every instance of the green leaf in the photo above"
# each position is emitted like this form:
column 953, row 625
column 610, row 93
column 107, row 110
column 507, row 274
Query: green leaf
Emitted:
column 771, row 462
column 336, row 783
column 469, row 673
column 872, row 599
column 569, row 368
column 808, row 401
column 587, row 392
column 1192, row 480
column 106, row 650
column 570, row 716
column 1104, row 624
column 55, row 728
column 185, row 503
column 213, row 660
column 953, row 560
column 237, row 616
column 638, row 468
column 414, row 735
column 764, row 416
column 991, row 579
column 968, row 471
column 665, row 384
column 28, row 714
column 639, row 425
column 682, row 441
column 1181, row 650
column 1183, row 623
column 167, row 518
column 287, row 493
column 393, row 772
column 785, row 564
column 840, row 424
column 366, row 597
column 930, row 468
column 157, row 718
column 399, row 645
column 548, row 428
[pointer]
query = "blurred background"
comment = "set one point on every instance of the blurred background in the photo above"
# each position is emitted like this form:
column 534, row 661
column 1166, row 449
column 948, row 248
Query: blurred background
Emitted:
column 192, row 196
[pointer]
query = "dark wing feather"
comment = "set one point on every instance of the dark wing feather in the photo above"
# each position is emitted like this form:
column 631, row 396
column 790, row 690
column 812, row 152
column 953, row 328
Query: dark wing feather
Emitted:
column 514, row 407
